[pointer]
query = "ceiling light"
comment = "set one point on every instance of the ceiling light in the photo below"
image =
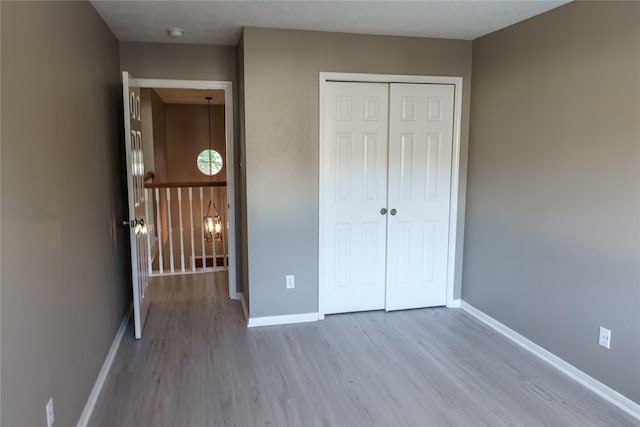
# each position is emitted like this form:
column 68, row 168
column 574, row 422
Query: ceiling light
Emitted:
column 212, row 224
column 175, row 32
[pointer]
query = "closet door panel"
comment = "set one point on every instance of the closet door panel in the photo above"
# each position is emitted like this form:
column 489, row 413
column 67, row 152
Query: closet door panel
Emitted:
column 354, row 192
column 419, row 185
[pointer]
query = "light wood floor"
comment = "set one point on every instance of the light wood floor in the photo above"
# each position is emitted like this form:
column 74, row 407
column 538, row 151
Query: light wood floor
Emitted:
column 198, row 365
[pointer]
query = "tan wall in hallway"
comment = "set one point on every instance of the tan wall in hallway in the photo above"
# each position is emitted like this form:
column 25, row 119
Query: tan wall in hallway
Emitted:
column 159, row 138
column 186, row 130
column 147, row 130
column 186, row 136
column 64, row 267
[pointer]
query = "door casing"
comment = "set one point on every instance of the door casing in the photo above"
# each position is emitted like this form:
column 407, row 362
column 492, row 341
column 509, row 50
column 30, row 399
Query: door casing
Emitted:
column 227, row 86
column 455, row 210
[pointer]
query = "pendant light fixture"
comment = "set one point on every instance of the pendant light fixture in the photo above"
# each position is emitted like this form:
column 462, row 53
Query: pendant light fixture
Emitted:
column 212, row 224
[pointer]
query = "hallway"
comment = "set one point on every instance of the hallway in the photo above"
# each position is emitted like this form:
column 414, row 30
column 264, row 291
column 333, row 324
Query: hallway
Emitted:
column 198, row 365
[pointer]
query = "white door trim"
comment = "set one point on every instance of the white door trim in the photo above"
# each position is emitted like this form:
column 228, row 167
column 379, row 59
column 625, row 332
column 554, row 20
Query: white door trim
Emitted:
column 227, row 86
column 455, row 209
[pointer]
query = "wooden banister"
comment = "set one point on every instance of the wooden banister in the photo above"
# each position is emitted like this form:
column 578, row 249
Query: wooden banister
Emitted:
column 184, row 184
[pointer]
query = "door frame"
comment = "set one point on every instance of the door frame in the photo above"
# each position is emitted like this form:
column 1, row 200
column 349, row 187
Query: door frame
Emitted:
column 227, row 86
column 456, row 209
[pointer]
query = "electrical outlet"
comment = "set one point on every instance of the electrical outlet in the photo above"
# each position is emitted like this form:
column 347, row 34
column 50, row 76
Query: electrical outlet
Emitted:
column 49, row 412
column 291, row 282
column 605, row 337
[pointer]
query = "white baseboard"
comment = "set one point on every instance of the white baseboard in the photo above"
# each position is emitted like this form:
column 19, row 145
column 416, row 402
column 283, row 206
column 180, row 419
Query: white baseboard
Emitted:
column 455, row 303
column 237, row 296
column 245, row 309
column 282, row 320
column 104, row 371
column 566, row 368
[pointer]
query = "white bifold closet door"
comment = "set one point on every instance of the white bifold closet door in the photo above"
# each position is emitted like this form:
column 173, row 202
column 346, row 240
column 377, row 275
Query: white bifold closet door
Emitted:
column 419, row 194
column 387, row 153
column 355, row 191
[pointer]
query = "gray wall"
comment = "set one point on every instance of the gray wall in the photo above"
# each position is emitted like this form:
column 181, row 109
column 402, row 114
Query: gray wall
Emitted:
column 65, row 280
column 281, row 106
column 552, row 246
column 179, row 61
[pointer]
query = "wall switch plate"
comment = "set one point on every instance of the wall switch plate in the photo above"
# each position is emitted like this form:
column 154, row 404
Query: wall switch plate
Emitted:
column 49, row 412
column 291, row 283
column 605, row 337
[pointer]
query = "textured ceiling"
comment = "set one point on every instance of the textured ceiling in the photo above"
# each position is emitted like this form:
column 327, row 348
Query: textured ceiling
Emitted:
column 220, row 22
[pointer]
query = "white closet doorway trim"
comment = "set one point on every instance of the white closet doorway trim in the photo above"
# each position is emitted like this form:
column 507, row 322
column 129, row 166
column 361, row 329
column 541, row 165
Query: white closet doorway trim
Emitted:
column 455, row 209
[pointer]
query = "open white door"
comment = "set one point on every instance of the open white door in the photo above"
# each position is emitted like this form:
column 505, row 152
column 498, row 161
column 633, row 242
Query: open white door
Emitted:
column 137, row 203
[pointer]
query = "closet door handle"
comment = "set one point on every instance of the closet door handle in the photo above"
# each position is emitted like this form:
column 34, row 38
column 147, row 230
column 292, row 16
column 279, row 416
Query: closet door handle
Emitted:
column 393, row 212
column 383, row 211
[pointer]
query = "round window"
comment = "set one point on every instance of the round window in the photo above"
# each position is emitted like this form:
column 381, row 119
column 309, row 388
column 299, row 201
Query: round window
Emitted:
column 209, row 162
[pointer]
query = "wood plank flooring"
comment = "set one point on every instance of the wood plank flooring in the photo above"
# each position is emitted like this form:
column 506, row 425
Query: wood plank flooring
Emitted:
column 198, row 365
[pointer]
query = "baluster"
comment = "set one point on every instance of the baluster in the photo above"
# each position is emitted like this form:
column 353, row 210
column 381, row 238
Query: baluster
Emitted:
column 213, row 241
column 202, row 214
column 171, row 264
column 225, row 229
column 181, row 229
column 159, row 221
column 146, row 215
column 193, row 255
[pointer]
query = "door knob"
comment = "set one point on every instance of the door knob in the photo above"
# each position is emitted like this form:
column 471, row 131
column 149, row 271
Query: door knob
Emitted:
column 383, row 211
column 133, row 222
column 393, row 212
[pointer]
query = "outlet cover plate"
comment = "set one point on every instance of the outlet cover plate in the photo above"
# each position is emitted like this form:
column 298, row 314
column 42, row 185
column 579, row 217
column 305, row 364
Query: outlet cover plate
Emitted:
column 604, row 337
column 291, row 283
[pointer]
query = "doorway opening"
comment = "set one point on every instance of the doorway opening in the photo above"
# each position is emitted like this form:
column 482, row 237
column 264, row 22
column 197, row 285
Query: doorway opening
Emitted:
column 187, row 134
